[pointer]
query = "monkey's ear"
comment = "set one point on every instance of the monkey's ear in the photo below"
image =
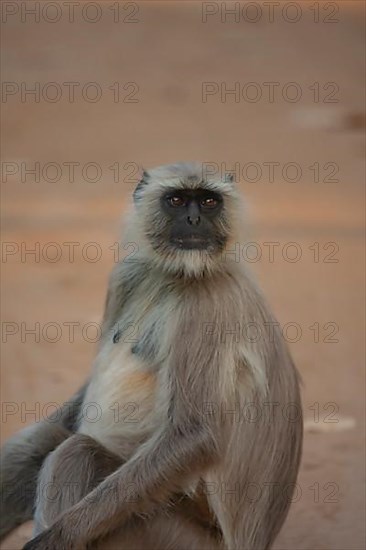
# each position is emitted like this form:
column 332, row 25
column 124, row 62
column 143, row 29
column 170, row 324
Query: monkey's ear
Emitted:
column 230, row 178
column 141, row 184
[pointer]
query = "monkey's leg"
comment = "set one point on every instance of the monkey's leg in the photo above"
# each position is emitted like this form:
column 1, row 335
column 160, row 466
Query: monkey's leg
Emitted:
column 22, row 457
column 187, row 523
column 166, row 530
column 77, row 466
column 69, row 473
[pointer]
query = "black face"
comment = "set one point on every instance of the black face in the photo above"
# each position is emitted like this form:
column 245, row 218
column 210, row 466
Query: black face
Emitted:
column 193, row 216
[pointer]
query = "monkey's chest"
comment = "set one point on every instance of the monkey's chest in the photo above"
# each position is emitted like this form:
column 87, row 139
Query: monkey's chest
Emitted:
column 119, row 408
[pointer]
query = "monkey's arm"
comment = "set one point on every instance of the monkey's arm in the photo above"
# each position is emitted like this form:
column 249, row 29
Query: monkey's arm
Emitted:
column 160, row 469
column 22, row 457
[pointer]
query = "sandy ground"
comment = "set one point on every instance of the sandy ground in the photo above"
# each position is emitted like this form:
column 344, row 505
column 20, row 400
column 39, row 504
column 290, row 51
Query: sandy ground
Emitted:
column 314, row 279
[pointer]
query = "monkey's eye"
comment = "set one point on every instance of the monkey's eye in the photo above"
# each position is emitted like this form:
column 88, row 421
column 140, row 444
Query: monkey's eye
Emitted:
column 176, row 201
column 209, row 202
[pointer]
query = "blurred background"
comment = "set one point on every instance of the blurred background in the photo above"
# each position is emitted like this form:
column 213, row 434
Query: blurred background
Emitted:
column 272, row 91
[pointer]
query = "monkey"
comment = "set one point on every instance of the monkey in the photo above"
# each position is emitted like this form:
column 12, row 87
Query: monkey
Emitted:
column 187, row 466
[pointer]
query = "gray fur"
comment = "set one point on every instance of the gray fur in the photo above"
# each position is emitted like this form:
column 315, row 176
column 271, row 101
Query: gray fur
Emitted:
column 22, row 457
column 83, row 463
column 190, row 457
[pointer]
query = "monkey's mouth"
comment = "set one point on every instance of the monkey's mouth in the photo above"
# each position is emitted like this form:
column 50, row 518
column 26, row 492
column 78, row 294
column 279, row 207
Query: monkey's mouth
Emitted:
column 192, row 242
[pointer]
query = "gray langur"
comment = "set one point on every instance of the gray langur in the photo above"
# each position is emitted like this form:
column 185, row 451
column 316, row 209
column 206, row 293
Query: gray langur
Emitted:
column 208, row 454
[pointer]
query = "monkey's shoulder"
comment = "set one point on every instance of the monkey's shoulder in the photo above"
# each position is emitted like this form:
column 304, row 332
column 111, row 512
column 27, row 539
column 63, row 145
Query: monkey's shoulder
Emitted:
column 143, row 321
column 143, row 340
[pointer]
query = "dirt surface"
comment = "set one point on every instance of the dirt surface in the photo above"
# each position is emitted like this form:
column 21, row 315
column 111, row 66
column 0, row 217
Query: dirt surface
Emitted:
column 314, row 276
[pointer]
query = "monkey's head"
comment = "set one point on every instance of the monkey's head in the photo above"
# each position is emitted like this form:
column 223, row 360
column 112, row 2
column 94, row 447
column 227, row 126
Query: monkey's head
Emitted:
column 184, row 218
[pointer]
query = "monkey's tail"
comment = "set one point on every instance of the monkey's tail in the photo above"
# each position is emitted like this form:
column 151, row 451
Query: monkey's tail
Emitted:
column 21, row 459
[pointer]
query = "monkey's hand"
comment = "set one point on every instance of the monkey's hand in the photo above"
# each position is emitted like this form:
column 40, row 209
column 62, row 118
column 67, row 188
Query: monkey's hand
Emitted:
column 54, row 538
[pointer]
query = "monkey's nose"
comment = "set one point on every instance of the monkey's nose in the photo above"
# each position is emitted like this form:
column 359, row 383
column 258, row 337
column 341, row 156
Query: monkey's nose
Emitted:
column 193, row 220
